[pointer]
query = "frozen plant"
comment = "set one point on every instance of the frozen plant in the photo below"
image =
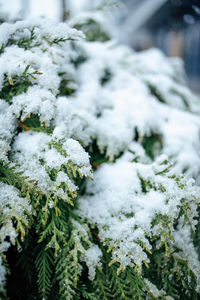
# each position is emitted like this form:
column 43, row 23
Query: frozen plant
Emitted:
column 96, row 156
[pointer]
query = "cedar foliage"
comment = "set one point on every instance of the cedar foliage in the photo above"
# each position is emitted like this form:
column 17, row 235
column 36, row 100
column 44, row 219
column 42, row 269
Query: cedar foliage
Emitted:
column 44, row 245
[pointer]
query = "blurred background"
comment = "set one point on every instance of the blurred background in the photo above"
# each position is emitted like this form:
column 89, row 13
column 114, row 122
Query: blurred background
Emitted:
column 171, row 25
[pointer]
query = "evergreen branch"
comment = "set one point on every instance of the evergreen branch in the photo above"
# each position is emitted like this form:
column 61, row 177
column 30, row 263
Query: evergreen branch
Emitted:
column 44, row 265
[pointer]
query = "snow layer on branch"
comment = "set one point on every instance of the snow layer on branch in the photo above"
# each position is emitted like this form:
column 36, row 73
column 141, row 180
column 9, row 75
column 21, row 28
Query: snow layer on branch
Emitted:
column 12, row 208
column 35, row 56
column 181, row 141
column 7, row 128
column 73, row 121
column 93, row 257
column 120, row 92
column 155, row 292
column 184, row 241
column 37, row 60
column 44, row 27
column 35, row 101
column 93, row 254
column 166, row 78
column 118, row 97
column 37, row 157
column 15, row 60
column 125, row 198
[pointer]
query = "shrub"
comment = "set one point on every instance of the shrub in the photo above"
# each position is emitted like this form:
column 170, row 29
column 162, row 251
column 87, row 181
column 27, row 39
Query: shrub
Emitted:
column 94, row 140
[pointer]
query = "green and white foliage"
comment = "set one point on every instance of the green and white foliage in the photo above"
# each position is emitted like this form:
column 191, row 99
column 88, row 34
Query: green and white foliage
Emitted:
column 141, row 208
column 34, row 61
column 71, row 102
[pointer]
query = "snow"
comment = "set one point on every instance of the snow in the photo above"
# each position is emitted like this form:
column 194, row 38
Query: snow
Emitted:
column 44, row 26
column 7, row 128
column 44, row 104
column 125, row 103
column 180, row 127
column 30, row 148
column 12, row 207
column 63, row 177
column 184, row 241
column 124, row 213
column 93, row 256
column 155, row 292
column 113, row 104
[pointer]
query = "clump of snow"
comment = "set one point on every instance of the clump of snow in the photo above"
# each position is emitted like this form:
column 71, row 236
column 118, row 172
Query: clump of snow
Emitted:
column 36, row 158
column 126, row 198
column 181, row 141
column 43, row 104
column 73, row 121
column 90, row 256
column 8, row 125
column 12, row 208
column 93, row 256
column 184, row 241
column 44, row 27
column 154, row 290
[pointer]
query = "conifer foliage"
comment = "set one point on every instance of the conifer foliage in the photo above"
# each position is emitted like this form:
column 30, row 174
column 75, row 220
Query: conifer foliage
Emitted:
column 97, row 145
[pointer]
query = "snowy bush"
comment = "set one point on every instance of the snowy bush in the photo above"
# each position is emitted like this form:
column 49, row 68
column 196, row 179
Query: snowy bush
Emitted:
column 94, row 142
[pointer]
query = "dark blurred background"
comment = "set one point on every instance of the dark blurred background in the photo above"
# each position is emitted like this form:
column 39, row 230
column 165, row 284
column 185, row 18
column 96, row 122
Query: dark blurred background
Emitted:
column 171, row 25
